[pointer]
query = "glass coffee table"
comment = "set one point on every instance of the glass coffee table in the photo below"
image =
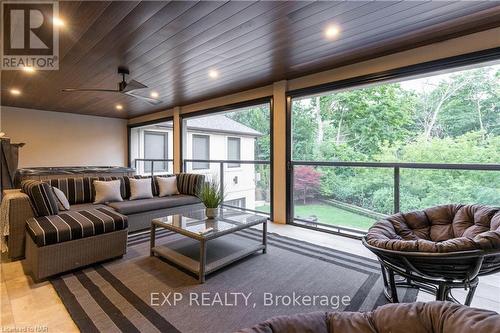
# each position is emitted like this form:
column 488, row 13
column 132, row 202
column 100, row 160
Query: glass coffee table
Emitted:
column 202, row 252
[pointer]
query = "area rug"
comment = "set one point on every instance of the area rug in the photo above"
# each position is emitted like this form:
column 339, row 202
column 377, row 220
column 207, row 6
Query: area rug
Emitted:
column 139, row 293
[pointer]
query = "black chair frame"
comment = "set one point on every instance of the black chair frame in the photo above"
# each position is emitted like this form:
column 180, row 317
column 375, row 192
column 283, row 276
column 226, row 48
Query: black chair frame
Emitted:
column 435, row 273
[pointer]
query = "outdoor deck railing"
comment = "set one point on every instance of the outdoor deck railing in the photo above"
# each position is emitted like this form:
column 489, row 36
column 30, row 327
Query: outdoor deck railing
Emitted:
column 152, row 161
column 221, row 171
column 396, row 167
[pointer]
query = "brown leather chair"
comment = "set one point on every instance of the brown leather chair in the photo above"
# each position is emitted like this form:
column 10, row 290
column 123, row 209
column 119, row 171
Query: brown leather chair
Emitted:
column 417, row 317
column 437, row 249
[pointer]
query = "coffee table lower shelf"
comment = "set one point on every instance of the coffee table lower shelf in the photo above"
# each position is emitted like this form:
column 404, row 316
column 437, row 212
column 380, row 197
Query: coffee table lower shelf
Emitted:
column 202, row 268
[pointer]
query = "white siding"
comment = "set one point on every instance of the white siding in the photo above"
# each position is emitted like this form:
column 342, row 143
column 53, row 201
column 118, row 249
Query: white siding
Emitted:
column 239, row 182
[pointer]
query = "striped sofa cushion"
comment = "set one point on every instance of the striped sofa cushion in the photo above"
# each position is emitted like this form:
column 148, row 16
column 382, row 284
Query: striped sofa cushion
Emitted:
column 41, row 196
column 81, row 190
column 77, row 190
column 189, row 183
column 73, row 225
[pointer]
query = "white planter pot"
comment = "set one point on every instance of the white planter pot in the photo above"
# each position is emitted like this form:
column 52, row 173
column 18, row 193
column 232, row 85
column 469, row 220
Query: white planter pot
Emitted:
column 211, row 213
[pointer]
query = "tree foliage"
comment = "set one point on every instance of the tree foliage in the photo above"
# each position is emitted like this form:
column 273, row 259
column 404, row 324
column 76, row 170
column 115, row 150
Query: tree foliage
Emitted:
column 455, row 119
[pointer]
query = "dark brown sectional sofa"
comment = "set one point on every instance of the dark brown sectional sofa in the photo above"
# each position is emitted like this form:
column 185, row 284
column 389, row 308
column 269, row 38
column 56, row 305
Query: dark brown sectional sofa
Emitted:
column 435, row 317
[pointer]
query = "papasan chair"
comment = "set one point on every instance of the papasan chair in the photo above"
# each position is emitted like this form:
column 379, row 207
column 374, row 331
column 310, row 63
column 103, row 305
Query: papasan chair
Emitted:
column 437, row 249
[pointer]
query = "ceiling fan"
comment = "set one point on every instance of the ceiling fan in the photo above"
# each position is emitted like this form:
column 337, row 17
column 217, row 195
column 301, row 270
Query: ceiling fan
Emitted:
column 124, row 87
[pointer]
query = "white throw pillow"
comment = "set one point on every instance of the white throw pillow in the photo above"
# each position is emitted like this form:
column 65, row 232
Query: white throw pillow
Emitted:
column 140, row 189
column 167, row 186
column 107, row 191
column 62, row 201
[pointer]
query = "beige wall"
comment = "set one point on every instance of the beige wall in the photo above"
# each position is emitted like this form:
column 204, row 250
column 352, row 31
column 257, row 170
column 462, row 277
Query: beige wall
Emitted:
column 64, row 139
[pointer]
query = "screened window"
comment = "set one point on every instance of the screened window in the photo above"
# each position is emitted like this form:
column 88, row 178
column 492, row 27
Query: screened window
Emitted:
column 236, row 145
column 447, row 118
column 233, row 151
column 201, row 151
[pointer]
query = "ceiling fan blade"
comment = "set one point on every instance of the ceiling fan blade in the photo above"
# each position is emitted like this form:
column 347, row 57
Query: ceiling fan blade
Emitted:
column 133, row 85
column 146, row 99
column 83, row 89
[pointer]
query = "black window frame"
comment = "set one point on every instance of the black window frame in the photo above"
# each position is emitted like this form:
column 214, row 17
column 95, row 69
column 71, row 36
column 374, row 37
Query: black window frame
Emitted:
column 424, row 68
column 130, row 163
column 230, row 107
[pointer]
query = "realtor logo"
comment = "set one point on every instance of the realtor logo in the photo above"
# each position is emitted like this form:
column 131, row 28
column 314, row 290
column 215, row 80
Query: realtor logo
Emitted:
column 30, row 37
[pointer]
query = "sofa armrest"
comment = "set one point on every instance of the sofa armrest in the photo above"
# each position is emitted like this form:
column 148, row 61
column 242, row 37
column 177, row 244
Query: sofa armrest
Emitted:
column 19, row 211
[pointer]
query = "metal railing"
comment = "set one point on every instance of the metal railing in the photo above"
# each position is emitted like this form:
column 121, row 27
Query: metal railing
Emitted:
column 386, row 165
column 222, row 170
column 152, row 161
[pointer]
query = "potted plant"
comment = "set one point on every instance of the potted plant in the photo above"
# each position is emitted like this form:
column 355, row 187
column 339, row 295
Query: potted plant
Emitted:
column 211, row 196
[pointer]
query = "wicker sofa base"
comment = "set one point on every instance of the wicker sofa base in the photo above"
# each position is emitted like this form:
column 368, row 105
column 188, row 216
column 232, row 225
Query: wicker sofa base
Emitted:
column 45, row 261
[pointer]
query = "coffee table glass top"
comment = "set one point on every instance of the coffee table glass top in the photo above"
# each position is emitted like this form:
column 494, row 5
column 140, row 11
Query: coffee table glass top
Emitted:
column 195, row 222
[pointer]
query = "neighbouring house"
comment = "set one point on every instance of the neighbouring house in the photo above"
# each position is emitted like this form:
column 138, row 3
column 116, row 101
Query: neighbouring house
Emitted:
column 215, row 137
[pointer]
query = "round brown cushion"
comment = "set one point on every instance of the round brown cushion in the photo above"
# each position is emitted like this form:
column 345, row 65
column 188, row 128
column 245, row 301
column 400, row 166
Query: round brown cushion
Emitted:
column 446, row 228
column 438, row 317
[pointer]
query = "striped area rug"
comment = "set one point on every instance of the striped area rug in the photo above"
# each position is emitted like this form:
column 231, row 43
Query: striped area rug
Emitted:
column 139, row 293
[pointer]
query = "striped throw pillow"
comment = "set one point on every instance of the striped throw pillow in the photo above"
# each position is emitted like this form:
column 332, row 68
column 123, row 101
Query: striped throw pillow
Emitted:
column 189, row 183
column 77, row 190
column 41, row 196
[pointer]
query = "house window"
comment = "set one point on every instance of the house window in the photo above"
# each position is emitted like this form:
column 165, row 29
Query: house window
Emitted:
column 155, row 147
column 233, row 151
column 201, row 151
column 240, row 202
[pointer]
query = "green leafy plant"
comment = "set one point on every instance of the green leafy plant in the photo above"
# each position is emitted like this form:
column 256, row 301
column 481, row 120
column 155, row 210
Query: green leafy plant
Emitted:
column 210, row 194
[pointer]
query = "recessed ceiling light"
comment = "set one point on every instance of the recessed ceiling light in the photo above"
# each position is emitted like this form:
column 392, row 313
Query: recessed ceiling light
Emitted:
column 213, row 73
column 58, row 22
column 15, row 92
column 119, row 107
column 154, row 94
column 28, row 69
column 332, row 31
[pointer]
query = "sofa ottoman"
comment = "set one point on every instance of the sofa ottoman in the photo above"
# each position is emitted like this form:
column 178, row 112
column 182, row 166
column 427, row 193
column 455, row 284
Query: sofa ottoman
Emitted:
column 73, row 239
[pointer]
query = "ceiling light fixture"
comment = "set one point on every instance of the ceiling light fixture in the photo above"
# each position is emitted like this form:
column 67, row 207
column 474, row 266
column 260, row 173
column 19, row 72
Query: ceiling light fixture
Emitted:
column 154, row 94
column 58, row 22
column 119, row 107
column 28, row 69
column 332, row 31
column 15, row 92
column 213, row 73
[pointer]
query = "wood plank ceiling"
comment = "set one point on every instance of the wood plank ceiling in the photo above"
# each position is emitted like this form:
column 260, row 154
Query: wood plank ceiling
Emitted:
column 171, row 46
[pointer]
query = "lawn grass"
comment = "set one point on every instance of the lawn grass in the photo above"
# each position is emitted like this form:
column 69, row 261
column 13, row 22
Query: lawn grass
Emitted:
column 327, row 214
